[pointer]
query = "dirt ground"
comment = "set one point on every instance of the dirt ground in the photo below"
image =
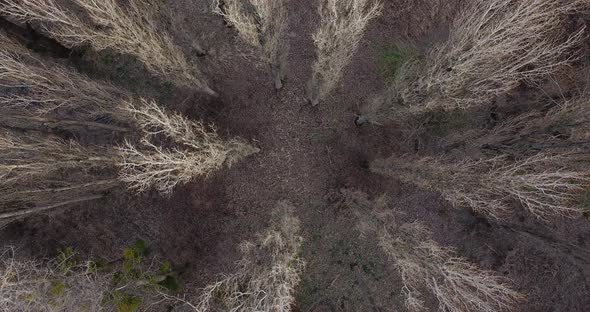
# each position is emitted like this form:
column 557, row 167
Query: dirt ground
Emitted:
column 308, row 154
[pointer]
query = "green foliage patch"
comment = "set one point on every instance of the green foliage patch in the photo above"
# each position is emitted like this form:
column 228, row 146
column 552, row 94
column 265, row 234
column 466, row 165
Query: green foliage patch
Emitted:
column 584, row 202
column 57, row 288
column 125, row 302
column 65, row 260
column 391, row 60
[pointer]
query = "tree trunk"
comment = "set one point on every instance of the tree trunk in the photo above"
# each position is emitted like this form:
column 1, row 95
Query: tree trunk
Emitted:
column 24, row 212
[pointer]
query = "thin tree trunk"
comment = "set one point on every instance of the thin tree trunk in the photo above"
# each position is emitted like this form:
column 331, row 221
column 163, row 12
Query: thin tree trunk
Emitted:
column 69, row 188
column 16, row 214
column 56, row 123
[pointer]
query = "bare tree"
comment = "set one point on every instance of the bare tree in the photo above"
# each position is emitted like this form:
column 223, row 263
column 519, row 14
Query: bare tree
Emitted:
column 49, row 87
column 32, row 165
column 493, row 47
column 490, row 51
column 262, row 24
column 199, row 150
column 268, row 272
column 342, row 25
column 425, row 266
column 129, row 31
column 42, row 87
column 454, row 281
column 545, row 184
column 40, row 173
column 43, row 173
column 564, row 126
column 31, row 156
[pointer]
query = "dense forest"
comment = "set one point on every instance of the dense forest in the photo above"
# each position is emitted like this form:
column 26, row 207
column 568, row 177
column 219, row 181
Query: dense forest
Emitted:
column 282, row 155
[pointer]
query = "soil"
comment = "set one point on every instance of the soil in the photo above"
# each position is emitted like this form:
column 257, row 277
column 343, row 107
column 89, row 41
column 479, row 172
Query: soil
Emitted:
column 308, row 154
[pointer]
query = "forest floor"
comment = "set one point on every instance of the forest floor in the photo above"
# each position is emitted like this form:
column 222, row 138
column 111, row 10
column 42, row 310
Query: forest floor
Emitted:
column 308, row 154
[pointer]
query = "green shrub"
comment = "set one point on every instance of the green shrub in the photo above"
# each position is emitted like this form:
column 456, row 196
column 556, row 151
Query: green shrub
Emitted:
column 126, row 302
column 391, row 60
column 65, row 260
column 585, row 202
column 57, row 288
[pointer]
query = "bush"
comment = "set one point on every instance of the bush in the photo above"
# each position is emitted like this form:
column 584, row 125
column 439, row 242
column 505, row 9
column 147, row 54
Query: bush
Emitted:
column 391, row 61
column 64, row 284
column 42, row 287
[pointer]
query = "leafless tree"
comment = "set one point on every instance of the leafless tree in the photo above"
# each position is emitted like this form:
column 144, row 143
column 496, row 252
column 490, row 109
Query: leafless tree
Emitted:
column 342, row 24
column 40, row 173
column 566, row 126
column 42, row 87
column 425, row 266
column 545, row 184
column 262, row 24
column 267, row 274
column 129, row 31
column 199, row 150
column 493, row 47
